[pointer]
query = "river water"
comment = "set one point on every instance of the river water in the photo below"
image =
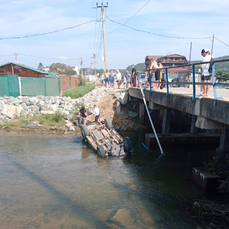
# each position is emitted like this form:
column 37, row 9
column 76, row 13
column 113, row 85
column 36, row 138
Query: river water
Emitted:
column 57, row 181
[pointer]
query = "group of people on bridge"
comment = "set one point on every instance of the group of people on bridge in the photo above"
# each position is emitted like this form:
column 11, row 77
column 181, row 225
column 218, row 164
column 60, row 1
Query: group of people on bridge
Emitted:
column 155, row 76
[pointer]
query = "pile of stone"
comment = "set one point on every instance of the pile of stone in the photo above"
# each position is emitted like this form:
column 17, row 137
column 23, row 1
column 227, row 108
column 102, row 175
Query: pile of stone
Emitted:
column 11, row 108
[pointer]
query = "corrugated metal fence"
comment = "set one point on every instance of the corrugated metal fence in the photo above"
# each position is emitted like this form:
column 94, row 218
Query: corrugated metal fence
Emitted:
column 67, row 82
column 12, row 85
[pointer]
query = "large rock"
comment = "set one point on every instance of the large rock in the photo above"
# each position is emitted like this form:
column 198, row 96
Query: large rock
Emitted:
column 123, row 216
column 132, row 114
column 122, row 97
column 47, row 112
column 11, row 111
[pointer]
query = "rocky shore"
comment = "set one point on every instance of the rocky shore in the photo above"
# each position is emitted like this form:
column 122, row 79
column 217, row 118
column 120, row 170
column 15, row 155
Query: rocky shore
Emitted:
column 111, row 103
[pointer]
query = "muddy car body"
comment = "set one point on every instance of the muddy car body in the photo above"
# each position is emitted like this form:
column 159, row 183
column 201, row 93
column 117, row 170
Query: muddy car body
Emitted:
column 106, row 140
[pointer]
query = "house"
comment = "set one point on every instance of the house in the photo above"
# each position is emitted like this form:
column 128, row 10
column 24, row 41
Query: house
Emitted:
column 173, row 60
column 21, row 70
column 18, row 79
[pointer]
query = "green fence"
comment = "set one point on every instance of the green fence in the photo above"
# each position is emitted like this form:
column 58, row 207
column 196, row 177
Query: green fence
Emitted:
column 39, row 86
column 9, row 85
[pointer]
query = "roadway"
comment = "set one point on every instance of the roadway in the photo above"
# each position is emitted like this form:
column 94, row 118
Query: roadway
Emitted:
column 224, row 93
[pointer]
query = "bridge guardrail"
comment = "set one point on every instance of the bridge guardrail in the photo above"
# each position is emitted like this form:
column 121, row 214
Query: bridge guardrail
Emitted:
column 194, row 83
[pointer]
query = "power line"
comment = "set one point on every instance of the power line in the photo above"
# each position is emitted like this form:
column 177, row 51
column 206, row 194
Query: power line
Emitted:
column 48, row 57
column 41, row 34
column 157, row 34
column 221, row 41
column 130, row 18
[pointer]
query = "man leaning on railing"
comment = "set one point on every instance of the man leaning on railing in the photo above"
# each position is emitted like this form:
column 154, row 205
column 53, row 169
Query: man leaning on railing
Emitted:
column 206, row 71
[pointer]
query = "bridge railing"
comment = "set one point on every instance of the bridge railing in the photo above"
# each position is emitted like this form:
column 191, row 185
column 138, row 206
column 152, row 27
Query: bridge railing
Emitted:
column 194, row 83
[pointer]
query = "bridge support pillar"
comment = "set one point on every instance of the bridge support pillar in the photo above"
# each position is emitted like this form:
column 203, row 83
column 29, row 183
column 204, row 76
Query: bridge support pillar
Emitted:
column 224, row 140
column 166, row 122
column 193, row 129
column 141, row 112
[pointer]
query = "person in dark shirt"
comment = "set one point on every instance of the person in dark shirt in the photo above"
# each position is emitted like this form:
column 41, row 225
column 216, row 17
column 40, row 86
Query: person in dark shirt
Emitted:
column 83, row 115
column 127, row 79
column 134, row 76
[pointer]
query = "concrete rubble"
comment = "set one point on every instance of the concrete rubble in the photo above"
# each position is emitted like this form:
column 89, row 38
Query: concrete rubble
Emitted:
column 12, row 108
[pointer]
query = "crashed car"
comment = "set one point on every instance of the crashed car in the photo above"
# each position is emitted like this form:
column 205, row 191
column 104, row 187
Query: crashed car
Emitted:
column 106, row 140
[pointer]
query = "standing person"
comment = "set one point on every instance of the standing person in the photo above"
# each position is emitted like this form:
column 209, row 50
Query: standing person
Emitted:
column 106, row 80
column 96, row 113
column 118, row 78
column 160, row 78
column 111, row 79
column 206, row 70
column 148, row 73
column 83, row 115
column 124, row 81
column 133, row 76
column 154, row 76
column 127, row 79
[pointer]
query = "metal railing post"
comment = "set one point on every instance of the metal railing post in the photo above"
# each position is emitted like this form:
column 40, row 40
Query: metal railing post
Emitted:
column 213, row 81
column 167, row 82
column 194, row 84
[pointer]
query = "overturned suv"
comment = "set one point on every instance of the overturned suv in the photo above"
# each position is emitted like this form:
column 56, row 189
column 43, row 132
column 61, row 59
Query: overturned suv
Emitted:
column 106, row 140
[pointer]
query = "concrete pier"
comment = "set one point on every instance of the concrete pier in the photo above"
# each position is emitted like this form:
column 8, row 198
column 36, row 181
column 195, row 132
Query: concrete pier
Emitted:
column 182, row 139
column 207, row 114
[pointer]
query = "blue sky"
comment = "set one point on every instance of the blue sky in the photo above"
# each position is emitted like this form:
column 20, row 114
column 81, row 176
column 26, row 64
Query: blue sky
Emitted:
column 171, row 18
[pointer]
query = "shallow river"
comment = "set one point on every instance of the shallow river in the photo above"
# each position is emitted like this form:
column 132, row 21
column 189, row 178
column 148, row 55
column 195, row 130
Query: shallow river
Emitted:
column 52, row 181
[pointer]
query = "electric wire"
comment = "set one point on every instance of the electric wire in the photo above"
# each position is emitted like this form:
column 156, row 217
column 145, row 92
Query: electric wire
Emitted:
column 221, row 41
column 156, row 34
column 47, row 33
column 130, row 18
column 48, row 57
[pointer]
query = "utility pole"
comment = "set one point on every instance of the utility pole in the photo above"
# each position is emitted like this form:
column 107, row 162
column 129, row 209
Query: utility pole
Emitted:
column 104, row 36
column 213, row 40
column 94, row 56
column 16, row 54
column 81, row 66
column 91, row 71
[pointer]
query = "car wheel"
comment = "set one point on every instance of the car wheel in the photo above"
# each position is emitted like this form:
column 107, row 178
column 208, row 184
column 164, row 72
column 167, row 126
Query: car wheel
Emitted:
column 127, row 144
column 108, row 123
column 101, row 151
column 84, row 131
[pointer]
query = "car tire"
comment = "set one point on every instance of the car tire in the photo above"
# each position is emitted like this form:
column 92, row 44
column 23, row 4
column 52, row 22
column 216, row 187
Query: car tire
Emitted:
column 108, row 123
column 84, row 131
column 101, row 151
column 127, row 144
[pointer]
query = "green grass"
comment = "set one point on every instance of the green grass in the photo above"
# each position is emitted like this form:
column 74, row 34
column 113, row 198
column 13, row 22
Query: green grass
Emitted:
column 51, row 120
column 80, row 91
column 46, row 120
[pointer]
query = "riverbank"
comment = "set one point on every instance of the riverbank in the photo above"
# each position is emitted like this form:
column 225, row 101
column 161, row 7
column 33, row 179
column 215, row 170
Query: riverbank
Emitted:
column 56, row 115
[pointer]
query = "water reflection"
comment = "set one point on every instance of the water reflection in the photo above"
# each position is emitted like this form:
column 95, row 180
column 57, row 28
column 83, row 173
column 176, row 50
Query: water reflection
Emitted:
column 49, row 181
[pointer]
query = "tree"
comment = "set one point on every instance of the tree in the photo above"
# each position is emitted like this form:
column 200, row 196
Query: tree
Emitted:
column 70, row 72
column 222, row 73
column 40, row 67
column 59, row 68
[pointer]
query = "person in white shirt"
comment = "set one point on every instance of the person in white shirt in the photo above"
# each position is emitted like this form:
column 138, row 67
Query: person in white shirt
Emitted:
column 118, row 78
column 206, row 75
column 96, row 113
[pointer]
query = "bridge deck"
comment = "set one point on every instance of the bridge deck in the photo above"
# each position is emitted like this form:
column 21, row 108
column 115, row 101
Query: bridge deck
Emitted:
column 181, row 99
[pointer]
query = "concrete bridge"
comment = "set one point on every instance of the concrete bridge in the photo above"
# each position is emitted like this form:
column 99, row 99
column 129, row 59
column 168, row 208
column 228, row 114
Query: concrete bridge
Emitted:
column 207, row 112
